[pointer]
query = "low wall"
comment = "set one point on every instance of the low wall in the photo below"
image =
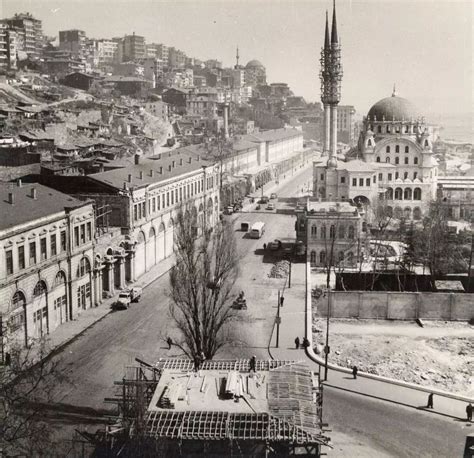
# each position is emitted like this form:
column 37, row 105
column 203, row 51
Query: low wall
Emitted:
column 398, row 306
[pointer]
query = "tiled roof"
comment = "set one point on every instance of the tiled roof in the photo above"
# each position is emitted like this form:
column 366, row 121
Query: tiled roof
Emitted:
column 25, row 208
column 116, row 178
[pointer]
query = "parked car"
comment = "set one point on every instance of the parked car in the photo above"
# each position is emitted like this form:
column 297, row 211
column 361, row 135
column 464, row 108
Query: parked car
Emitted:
column 244, row 226
column 123, row 301
column 271, row 206
column 264, row 200
column 228, row 210
column 273, row 196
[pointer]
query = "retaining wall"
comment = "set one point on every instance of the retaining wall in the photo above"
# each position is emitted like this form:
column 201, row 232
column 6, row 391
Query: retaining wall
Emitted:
column 398, row 306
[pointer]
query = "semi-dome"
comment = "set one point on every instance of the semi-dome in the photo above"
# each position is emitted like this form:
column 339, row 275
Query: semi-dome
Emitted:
column 254, row 63
column 393, row 109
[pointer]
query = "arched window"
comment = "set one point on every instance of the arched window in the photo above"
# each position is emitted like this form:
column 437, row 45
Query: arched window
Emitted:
column 341, row 256
column 389, row 211
column 83, row 268
column 415, row 161
column 389, row 194
column 332, row 232
column 350, row 258
column 397, row 148
column 141, row 237
column 161, row 228
column 151, row 233
column 378, row 159
column 313, row 257
column 417, row 213
column 379, row 129
column 323, row 232
column 405, row 175
column 397, row 160
column 398, row 213
column 417, row 194
column 407, row 129
column 387, row 149
column 406, row 160
column 407, row 212
column 387, row 160
column 170, row 223
column 40, row 289
column 407, row 149
column 398, row 194
column 60, row 278
column 322, row 257
column 351, row 232
column 342, row 232
column 314, row 230
column 18, row 300
column 388, row 129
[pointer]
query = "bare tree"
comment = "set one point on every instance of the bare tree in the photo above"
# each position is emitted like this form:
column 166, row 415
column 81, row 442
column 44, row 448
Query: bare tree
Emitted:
column 27, row 380
column 201, row 284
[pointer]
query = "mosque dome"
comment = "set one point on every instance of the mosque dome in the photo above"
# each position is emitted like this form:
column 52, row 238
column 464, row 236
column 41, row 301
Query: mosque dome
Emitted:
column 393, row 108
column 253, row 64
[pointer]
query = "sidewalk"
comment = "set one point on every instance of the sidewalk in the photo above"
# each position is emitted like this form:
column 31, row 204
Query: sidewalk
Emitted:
column 293, row 324
column 69, row 331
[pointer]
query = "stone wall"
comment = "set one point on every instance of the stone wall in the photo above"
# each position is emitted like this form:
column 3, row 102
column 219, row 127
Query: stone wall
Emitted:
column 397, row 306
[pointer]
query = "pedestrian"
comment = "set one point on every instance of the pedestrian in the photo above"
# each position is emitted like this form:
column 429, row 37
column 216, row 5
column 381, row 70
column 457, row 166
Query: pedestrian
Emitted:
column 282, row 299
column 297, row 343
column 305, row 342
column 469, row 412
column 264, row 246
column 253, row 363
column 169, row 341
column 430, row 401
column 354, row 371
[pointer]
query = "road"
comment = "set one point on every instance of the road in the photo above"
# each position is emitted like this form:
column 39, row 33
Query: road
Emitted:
column 361, row 426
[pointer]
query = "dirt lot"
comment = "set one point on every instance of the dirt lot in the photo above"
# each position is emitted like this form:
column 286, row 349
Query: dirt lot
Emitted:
column 440, row 355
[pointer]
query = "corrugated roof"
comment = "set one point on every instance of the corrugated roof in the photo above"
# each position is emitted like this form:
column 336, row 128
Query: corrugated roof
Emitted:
column 25, row 208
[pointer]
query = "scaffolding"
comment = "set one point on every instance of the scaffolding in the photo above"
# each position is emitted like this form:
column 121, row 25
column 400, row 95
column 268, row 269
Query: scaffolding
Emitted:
column 291, row 421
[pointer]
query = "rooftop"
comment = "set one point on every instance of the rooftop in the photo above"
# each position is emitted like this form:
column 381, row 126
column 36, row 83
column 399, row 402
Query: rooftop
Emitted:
column 273, row 135
column 224, row 400
column 152, row 170
column 29, row 205
column 323, row 207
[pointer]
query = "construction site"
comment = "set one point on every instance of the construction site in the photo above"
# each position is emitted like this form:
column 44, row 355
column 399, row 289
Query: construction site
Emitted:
column 239, row 408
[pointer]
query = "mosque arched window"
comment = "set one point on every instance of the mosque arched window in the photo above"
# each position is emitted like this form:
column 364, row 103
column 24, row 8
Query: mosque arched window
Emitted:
column 407, row 149
column 406, row 160
column 387, row 149
column 387, row 160
column 397, row 160
column 417, row 194
column 415, row 161
column 378, row 159
column 397, row 148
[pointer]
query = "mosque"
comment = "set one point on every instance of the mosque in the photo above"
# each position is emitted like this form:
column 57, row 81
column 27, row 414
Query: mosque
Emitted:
column 393, row 163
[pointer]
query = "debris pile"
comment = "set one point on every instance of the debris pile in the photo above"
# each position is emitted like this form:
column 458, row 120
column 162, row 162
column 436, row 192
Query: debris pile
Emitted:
column 280, row 270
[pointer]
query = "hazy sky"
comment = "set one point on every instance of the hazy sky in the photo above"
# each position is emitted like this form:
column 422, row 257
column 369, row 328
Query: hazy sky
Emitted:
column 424, row 46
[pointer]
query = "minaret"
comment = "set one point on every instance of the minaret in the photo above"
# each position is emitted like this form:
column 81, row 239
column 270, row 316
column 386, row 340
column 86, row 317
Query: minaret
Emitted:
column 237, row 58
column 331, row 77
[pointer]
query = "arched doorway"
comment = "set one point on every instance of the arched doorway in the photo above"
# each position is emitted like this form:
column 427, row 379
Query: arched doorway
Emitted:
column 59, row 293
column 39, row 307
column 169, row 242
column 140, row 255
column 312, row 258
column 17, row 318
column 84, row 296
column 160, row 243
column 151, row 249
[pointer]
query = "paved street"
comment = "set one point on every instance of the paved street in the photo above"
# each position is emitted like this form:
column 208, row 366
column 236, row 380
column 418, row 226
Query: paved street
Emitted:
column 361, row 426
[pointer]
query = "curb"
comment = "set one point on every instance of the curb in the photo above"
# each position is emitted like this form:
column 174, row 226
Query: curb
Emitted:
column 312, row 355
column 60, row 347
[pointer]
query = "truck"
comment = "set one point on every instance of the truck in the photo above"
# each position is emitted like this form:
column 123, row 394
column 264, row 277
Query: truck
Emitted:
column 258, row 229
column 126, row 297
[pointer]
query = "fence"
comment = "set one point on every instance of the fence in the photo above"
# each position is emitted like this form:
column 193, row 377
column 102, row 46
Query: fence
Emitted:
column 398, row 306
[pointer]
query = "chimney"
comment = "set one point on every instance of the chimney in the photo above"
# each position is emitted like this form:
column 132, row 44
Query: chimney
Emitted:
column 137, row 159
column 19, row 182
column 141, row 175
column 129, row 178
column 152, row 172
column 11, row 198
column 33, row 193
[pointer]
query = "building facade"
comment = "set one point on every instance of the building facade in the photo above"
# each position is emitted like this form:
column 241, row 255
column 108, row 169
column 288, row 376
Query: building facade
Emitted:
column 346, row 124
column 133, row 47
column 73, row 41
column 46, row 274
column 31, row 31
column 332, row 232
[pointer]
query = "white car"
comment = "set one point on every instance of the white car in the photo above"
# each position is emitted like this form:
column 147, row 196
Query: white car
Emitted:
column 123, row 301
column 271, row 206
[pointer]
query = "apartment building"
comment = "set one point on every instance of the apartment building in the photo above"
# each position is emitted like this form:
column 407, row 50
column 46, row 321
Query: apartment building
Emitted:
column 31, row 32
column 74, row 42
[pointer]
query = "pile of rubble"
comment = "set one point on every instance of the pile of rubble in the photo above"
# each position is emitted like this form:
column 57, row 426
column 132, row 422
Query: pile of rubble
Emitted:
column 280, row 270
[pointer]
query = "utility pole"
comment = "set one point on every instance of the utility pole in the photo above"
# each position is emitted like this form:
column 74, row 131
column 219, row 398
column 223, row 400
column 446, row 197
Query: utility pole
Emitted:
column 326, row 348
column 278, row 321
column 470, row 265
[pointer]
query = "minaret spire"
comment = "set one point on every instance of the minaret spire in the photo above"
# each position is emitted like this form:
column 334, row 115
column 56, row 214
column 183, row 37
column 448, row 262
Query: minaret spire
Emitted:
column 237, row 57
column 326, row 36
column 334, row 38
column 394, row 93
